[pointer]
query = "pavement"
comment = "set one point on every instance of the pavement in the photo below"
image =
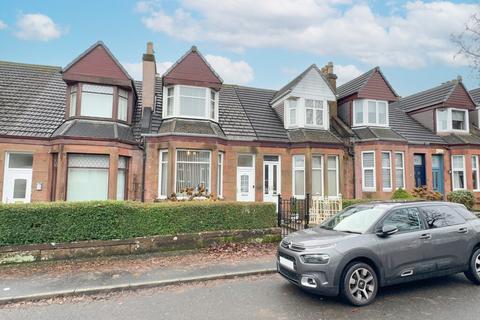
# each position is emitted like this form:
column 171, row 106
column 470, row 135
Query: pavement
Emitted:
column 38, row 287
column 265, row 297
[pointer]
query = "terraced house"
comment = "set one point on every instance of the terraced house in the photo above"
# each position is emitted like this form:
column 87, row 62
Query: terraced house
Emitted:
column 89, row 131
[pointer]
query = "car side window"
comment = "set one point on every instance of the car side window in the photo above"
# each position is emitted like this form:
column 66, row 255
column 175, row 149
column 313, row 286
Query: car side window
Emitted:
column 441, row 216
column 405, row 219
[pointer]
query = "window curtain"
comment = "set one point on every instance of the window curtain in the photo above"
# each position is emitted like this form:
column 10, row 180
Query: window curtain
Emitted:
column 193, row 170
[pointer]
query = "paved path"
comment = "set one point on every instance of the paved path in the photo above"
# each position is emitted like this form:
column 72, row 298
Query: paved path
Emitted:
column 46, row 286
column 264, row 297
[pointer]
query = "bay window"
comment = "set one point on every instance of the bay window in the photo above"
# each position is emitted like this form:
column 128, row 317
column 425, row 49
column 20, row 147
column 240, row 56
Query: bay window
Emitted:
column 87, row 177
column 163, row 174
column 386, row 171
column 97, row 101
column 314, row 112
column 299, row 176
column 193, row 171
column 458, row 172
column 332, row 166
column 475, row 173
column 370, row 113
column 190, row 102
column 399, row 170
column 122, row 178
column 220, row 175
column 368, row 171
column 317, row 175
column 451, row 120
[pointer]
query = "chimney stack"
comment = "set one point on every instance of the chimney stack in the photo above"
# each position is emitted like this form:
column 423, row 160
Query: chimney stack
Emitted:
column 327, row 70
column 149, row 73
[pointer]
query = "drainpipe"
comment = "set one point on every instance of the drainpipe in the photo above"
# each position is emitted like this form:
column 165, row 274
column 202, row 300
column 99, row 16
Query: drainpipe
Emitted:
column 143, row 147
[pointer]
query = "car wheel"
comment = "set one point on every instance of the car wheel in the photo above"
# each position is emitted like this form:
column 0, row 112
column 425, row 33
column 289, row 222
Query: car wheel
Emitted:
column 359, row 284
column 473, row 273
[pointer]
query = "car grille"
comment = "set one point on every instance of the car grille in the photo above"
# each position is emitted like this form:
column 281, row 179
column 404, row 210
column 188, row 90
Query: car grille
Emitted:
column 289, row 274
column 292, row 246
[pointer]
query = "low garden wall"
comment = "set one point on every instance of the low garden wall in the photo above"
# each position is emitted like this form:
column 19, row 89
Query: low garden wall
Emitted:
column 46, row 231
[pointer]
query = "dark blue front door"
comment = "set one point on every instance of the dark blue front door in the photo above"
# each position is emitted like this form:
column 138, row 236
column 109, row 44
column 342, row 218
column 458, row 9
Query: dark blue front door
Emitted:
column 437, row 172
column 419, row 168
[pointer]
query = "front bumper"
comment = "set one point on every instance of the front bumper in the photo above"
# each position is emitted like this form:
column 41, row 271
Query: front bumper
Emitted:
column 318, row 279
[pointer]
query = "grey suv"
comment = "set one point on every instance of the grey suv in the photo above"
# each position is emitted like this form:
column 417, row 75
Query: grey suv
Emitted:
column 377, row 244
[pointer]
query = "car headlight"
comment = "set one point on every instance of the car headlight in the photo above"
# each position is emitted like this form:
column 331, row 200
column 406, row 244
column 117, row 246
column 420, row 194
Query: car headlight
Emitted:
column 315, row 258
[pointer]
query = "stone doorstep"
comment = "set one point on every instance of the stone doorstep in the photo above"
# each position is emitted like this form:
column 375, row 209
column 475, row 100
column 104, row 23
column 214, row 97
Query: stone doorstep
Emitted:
column 97, row 248
column 133, row 286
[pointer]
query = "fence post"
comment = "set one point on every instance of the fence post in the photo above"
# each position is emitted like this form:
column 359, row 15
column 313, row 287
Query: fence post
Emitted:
column 307, row 210
column 279, row 210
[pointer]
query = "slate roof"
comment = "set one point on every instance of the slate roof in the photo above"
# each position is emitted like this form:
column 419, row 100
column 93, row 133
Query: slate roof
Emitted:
column 194, row 127
column 430, row 97
column 310, row 135
column 475, row 94
column 411, row 129
column 32, row 104
column 375, row 133
column 453, row 139
column 80, row 128
column 32, row 99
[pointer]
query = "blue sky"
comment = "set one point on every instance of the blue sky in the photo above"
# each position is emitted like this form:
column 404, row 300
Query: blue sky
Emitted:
column 257, row 43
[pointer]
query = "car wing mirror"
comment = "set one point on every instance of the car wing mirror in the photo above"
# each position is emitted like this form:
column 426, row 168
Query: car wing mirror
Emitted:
column 387, row 230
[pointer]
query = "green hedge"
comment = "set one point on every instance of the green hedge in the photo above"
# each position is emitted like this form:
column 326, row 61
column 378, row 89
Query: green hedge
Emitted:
column 351, row 202
column 106, row 220
column 465, row 197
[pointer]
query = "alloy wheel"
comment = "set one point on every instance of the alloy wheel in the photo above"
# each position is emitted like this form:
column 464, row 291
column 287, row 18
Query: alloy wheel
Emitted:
column 362, row 283
column 477, row 265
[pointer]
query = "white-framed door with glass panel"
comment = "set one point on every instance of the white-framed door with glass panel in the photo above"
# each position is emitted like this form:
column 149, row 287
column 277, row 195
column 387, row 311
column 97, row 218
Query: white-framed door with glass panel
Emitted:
column 17, row 179
column 271, row 178
column 246, row 177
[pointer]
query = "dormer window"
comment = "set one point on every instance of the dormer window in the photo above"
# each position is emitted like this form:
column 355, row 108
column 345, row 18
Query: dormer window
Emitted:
column 98, row 101
column 292, row 112
column 370, row 113
column 452, row 120
column 190, row 102
column 313, row 112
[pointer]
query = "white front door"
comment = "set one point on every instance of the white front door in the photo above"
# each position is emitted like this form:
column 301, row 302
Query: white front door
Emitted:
column 17, row 180
column 271, row 179
column 245, row 184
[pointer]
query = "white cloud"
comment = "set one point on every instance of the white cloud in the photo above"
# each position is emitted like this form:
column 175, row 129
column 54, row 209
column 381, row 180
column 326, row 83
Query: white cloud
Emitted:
column 135, row 69
column 237, row 72
column 3, row 25
column 36, row 26
column 346, row 73
column 413, row 37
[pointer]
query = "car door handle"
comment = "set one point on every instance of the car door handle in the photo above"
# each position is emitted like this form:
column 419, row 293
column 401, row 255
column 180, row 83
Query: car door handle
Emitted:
column 425, row 236
column 463, row 230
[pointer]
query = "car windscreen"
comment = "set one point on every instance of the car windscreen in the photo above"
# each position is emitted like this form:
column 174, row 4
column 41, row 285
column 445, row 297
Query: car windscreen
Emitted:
column 356, row 219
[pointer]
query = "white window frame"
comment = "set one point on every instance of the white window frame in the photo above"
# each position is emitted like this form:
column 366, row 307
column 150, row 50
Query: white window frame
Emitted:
column 289, row 108
column 476, row 172
column 160, row 173
column 220, row 166
column 337, row 176
column 397, row 167
column 298, row 196
column 389, row 168
column 364, row 106
column 73, row 100
column 450, row 120
column 457, row 170
column 315, row 109
column 209, row 169
column 365, row 188
column 176, row 103
column 322, row 174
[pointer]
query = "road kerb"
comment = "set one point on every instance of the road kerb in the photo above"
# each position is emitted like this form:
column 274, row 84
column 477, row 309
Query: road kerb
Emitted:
column 132, row 286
